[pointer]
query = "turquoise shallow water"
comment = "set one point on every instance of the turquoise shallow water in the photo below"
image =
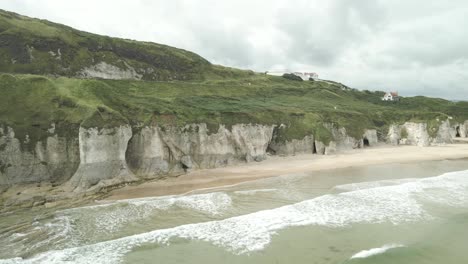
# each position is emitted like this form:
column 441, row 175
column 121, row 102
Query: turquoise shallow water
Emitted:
column 400, row 213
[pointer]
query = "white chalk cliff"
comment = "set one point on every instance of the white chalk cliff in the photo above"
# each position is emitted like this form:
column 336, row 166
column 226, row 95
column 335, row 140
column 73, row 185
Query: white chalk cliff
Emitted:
column 111, row 156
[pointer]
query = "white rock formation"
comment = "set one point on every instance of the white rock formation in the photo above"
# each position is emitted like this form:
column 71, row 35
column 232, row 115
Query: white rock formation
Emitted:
column 294, row 147
column 462, row 129
column 445, row 134
column 331, row 149
column 54, row 159
column 341, row 139
column 102, row 158
column 108, row 71
column 371, row 136
column 155, row 151
column 394, row 135
column 418, row 135
column 320, row 147
column 147, row 154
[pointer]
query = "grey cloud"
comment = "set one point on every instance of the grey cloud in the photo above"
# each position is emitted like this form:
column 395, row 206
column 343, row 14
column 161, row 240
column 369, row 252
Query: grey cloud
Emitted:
column 416, row 47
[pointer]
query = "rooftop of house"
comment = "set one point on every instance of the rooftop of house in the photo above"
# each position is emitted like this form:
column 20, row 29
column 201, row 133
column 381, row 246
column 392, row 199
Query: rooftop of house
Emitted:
column 393, row 94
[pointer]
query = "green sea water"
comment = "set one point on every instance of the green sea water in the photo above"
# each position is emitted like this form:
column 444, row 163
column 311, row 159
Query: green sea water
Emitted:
column 397, row 213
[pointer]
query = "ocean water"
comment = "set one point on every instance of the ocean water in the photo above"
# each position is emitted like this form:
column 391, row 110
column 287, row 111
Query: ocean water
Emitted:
column 398, row 213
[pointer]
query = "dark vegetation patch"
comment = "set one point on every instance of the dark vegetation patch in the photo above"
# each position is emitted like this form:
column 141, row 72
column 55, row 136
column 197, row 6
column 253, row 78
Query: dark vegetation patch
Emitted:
column 292, row 77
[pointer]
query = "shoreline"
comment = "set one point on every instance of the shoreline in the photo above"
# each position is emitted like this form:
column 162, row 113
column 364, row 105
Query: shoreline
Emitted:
column 277, row 166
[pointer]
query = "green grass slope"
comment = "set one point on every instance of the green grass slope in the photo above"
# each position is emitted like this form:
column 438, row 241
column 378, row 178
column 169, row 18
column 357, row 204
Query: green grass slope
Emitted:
column 34, row 46
column 30, row 103
column 37, row 89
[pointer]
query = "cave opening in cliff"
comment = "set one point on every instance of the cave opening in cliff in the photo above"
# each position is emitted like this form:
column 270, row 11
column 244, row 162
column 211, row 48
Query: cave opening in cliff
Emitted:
column 458, row 132
column 185, row 167
column 314, row 148
column 366, row 142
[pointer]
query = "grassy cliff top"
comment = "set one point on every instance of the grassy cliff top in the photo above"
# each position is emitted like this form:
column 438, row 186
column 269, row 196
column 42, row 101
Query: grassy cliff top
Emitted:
column 42, row 62
column 34, row 46
column 30, row 103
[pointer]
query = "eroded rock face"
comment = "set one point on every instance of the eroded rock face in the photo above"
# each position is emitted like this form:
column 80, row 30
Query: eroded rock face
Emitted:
column 102, row 158
column 331, row 148
column 320, row 147
column 53, row 159
column 341, row 139
column 294, row 147
column 106, row 157
column 155, row 151
column 253, row 140
column 463, row 129
column 371, row 136
column 147, row 154
column 445, row 133
column 416, row 134
column 394, row 135
column 107, row 71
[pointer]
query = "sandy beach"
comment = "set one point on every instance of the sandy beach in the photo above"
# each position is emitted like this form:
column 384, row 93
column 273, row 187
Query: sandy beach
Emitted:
column 275, row 166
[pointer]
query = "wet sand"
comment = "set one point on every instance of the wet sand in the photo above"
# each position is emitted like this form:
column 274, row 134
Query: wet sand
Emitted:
column 275, row 166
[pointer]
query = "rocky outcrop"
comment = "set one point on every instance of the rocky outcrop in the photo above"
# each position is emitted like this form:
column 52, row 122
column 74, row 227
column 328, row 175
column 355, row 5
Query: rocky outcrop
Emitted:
column 295, row 146
column 102, row 158
column 370, row 138
column 409, row 134
column 147, row 154
column 394, row 135
column 445, row 134
column 341, row 139
column 111, row 156
column 461, row 130
column 320, row 147
column 156, row 151
column 417, row 133
column 53, row 159
column 103, row 70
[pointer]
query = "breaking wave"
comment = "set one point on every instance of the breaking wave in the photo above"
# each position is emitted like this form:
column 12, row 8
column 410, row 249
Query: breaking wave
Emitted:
column 375, row 251
column 398, row 203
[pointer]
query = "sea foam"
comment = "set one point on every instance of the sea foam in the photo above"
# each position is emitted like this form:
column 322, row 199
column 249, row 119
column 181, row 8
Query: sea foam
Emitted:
column 375, row 251
column 242, row 234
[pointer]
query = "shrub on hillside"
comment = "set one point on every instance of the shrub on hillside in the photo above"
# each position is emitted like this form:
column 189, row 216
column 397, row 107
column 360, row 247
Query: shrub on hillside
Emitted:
column 292, row 77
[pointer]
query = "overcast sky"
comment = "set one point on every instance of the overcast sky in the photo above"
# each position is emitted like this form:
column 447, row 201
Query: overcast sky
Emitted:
column 416, row 47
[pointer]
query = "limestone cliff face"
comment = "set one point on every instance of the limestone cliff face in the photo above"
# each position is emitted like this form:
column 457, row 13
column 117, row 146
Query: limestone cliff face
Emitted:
column 110, row 156
column 371, row 136
column 108, row 71
column 306, row 145
column 445, row 134
column 462, row 129
column 156, row 151
column 342, row 140
column 53, row 159
column 102, row 157
column 417, row 134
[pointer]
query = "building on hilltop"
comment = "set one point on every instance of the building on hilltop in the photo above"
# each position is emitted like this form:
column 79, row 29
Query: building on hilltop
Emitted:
column 391, row 96
column 307, row 75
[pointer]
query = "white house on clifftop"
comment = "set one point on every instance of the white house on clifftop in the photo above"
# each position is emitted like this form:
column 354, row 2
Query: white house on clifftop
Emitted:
column 391, row 96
